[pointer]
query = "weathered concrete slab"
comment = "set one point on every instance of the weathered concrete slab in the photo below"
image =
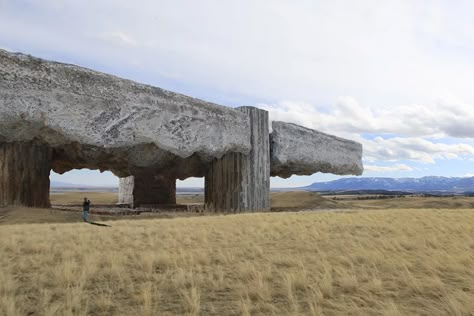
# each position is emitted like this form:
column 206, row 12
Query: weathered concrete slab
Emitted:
column 99, row 121
column 303, row 151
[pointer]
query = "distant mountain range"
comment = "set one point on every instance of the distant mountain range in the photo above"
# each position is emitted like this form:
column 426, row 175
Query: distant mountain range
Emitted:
column 424, row 184
column 59, row 184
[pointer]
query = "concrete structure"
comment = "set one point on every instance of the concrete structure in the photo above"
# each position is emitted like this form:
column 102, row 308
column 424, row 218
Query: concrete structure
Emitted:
column 24, row 174
column 125, row 194
column 302, row 151
column 239, row 182
column 147, row 189
column 60, row 117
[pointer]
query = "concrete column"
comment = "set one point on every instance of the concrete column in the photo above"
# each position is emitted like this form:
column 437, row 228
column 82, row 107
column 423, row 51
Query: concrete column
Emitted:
column 238, row 182
column 126, row 185
column 147, row 188
column 24, row 174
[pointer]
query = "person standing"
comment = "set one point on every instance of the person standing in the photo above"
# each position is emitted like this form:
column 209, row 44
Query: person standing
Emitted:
column 85, row 208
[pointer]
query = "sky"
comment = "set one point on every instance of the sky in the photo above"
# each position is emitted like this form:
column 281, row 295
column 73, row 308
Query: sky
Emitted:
column 394, row 75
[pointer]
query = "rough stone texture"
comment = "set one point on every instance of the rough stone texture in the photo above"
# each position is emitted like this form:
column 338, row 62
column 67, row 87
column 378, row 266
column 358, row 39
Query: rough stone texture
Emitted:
column 24, row 174
column 98, row 121
column 125, row 194
column 303, row 151
column 145, row 188
column 239, row 182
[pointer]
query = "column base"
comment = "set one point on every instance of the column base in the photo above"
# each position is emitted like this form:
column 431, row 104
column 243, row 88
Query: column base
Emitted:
column 147, row 189
column 24, row 174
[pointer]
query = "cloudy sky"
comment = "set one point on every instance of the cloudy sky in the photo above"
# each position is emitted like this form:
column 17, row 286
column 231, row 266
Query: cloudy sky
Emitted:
column 395, row 75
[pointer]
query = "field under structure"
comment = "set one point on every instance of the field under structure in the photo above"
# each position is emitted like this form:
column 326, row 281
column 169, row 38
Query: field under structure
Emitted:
column 359, row 262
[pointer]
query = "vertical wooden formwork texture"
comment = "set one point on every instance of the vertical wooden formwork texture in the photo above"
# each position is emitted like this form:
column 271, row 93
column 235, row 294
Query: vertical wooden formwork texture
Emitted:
column 24, row 174
column 238, row 182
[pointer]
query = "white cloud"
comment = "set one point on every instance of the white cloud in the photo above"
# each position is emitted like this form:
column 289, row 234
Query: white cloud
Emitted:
column 438, row 119
column 415, row 149
column 397, row 167
column 382, row 53
column 116, row 38
column 417, row 127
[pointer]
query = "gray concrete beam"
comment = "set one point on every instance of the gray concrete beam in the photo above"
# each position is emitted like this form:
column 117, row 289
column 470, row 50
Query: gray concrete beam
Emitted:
column 96, row 120
column 297, row 150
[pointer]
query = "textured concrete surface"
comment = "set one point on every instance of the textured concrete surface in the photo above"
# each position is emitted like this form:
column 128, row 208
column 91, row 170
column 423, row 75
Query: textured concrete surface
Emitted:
column 125, row 194
column 239, row 182
column 303, row 151
column 99, row 121
column 24, row 174
column 146, row 188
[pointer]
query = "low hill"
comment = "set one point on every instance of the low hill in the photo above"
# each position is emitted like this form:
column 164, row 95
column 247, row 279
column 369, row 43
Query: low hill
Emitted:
column 302, row 200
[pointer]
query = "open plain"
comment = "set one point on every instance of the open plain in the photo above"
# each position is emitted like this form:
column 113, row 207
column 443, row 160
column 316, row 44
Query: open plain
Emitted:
column 357, row 261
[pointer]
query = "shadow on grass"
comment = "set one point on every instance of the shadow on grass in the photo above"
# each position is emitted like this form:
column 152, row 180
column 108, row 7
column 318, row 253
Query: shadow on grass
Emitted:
column 99, row 224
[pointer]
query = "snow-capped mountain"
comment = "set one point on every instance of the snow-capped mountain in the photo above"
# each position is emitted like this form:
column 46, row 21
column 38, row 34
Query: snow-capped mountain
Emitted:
column 431, row 183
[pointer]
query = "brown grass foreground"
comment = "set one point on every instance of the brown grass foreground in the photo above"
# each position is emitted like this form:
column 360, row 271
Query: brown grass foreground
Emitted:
column 390, row 262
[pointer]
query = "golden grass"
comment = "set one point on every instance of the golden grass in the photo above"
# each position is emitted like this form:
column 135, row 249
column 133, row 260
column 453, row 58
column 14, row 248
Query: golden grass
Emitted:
column 74, row 197
column 77, row 197
column 305, row 199
column 28, row 215
column 292, row 200
column 448, row 202
column 391, row 262
column 302, row 199
column 10, row 215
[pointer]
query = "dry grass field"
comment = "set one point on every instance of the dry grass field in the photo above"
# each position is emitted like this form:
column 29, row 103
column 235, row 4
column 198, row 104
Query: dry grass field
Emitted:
column 77, row 197
column 451, row 202
column 111, row 198
column 293, row 200
column 310, row 200
column 359, row 262
column 302, row 200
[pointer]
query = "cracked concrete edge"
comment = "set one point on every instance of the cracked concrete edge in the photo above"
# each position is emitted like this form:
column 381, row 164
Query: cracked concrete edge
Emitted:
column 297, row 150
